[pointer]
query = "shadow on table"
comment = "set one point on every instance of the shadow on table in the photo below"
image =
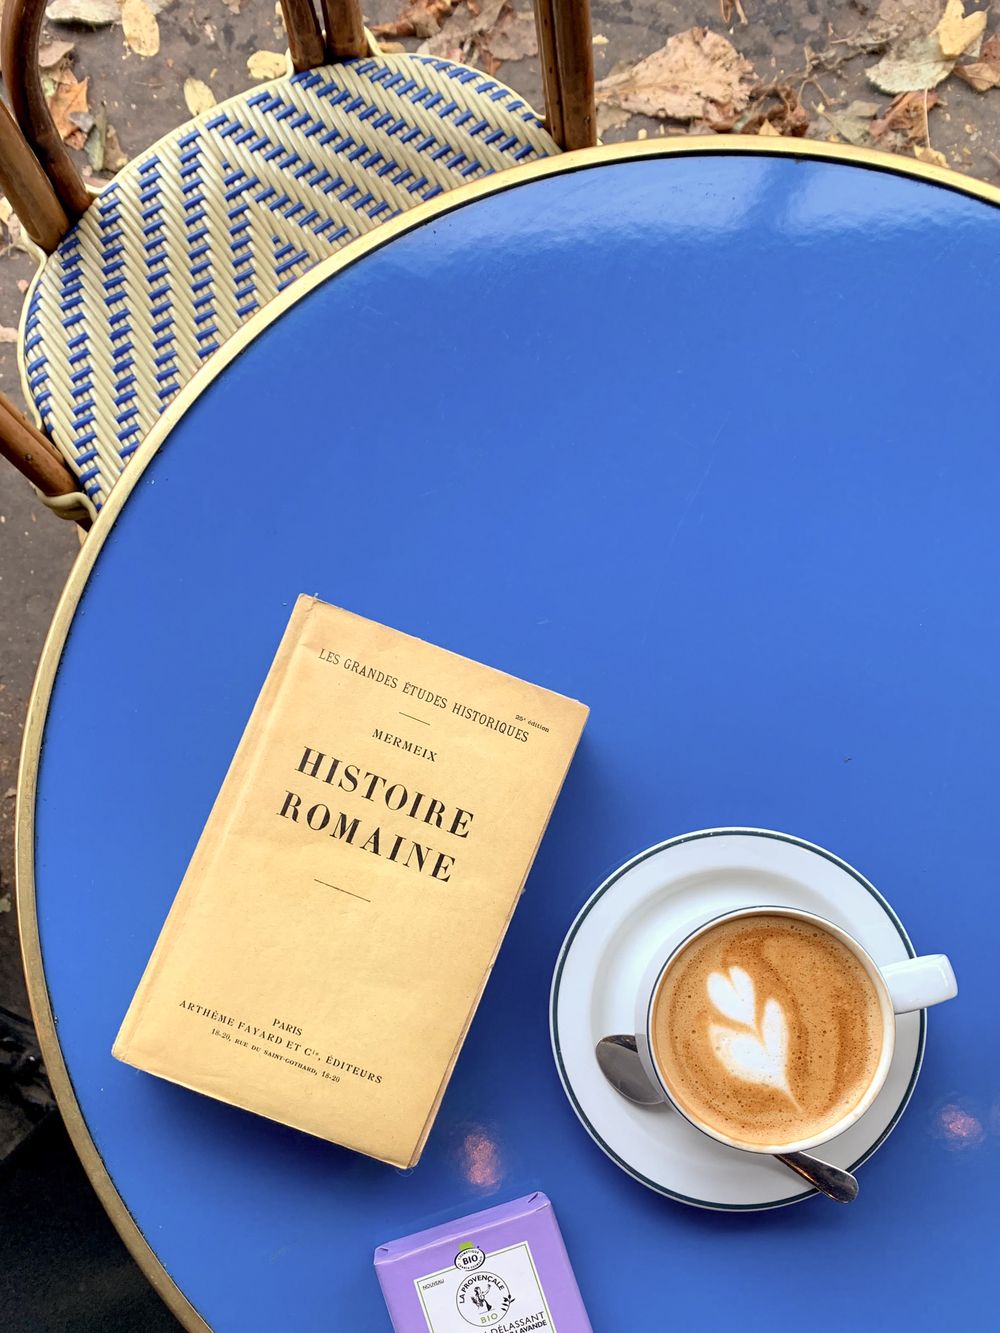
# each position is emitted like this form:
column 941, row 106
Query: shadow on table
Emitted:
column 64, row 1268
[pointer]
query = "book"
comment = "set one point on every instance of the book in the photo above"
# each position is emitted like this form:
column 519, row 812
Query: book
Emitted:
column 339, row 919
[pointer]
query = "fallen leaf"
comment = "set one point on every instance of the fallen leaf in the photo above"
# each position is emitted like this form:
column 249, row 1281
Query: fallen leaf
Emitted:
column 957, row 30
column 233, row 5
column 611, row 118
column 901, row 20
column 7, row 334
column 267, row 65
column 906, row 119
column 114, row 157
column 598, row 39
column 917, row 64
column 775, row 105
column 421, row 18
column 984, row 73
column 461, row 32
column 51, row 54
column 69, row 98
column 931, row 155
column 853, row 124
column 697, row 75
column 198, row 96
column 514, row 36
column 17, row 240
column 140, row 28
column 727, row 9
column 95, row 13
column 97, row 139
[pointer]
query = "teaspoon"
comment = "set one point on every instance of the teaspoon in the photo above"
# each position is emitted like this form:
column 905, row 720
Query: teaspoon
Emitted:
column 621, row 1066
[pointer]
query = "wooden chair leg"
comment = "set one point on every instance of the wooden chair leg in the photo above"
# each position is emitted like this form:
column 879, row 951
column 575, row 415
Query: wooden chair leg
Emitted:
column 37, row 458
column 566, row 51
column 19, row 34
column 545, row 25
column 28, row 188
column 345, row 29
column 305, row 36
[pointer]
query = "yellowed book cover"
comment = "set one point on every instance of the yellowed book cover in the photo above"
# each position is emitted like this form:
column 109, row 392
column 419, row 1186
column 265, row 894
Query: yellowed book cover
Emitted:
column 341, row 914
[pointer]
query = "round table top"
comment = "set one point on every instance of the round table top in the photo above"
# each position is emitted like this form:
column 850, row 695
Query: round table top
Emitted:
column 702, row 440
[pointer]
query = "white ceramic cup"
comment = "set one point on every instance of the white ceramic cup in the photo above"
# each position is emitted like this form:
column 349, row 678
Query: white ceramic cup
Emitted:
column 901, row 987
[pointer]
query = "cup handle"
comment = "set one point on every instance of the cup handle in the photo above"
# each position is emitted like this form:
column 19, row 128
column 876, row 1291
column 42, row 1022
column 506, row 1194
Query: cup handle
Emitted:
column 919, row 982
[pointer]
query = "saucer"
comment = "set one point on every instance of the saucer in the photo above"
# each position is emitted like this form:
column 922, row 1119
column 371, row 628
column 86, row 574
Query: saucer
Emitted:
column 661, row 894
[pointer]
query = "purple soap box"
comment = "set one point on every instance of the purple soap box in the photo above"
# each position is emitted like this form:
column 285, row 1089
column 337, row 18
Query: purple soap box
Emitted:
column 504, row 1269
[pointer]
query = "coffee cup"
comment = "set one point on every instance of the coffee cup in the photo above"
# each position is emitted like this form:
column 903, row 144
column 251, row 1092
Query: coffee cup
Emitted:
column 772, row 1029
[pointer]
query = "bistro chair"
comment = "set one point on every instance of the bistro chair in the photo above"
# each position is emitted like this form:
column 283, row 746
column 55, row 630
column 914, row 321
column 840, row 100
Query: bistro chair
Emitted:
column 140, row 283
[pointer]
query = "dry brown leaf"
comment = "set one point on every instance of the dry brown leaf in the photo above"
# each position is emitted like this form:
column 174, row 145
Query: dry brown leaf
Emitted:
column 198, row 96
column 97, row 138
column 7, row 334
column 94, row 13
column 853, row 124
column 697, row 75
column 51, row 54
column 114, row 157
column 901, row 20
column 914, row 66
column 140, row 28
column 267, row 65
column 514, row 36
column 726, row 10
column 984, row 73
column 233, row 5
column 610, row 118
column 931, row 155
column 421, row 18
column 905, row 120
column 957, row 30
column 915, row 63
column 461, row 32
column 774, row 105
column 16, row 237
column 68, row 99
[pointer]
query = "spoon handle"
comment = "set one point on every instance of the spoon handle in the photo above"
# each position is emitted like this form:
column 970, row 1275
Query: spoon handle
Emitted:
column 835, row 1183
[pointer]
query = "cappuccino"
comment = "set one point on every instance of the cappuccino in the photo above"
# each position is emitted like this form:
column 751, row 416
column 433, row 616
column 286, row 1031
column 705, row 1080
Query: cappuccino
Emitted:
column 767, row 1030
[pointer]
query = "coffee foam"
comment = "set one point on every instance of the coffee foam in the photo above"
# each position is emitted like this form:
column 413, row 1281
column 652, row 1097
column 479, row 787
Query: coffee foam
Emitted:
column 767, row 1029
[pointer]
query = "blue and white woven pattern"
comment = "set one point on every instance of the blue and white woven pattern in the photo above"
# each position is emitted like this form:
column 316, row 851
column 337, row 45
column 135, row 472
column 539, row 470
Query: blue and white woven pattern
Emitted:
column 210, row 223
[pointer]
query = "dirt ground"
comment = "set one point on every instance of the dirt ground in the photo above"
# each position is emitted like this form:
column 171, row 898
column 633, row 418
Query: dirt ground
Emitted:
column 826, row 69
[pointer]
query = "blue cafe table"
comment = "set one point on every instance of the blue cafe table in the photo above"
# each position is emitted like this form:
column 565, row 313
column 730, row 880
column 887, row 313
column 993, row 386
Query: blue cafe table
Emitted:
column 706, row 438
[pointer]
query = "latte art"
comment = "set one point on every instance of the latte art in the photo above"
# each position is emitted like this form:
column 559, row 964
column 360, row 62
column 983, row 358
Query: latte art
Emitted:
column 755, row 1052
column 767, row 1029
